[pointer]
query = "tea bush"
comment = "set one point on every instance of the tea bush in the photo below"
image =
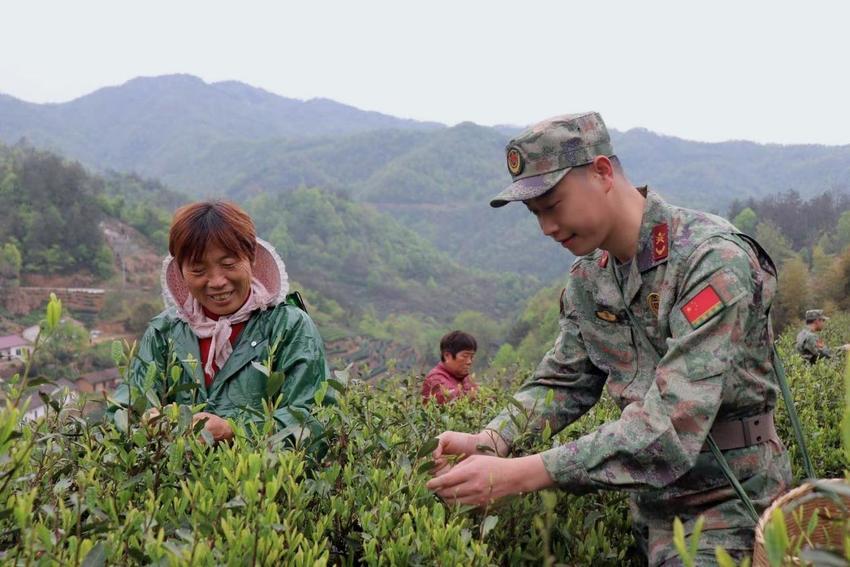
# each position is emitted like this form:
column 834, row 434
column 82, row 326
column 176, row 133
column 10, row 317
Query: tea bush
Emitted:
column 79, row 490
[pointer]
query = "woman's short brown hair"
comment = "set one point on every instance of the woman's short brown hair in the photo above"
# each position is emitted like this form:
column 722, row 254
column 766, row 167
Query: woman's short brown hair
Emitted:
column 455, row 342
column 197, row 225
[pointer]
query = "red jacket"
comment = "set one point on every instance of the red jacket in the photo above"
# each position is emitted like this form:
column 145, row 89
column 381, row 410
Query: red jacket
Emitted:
column 444, row 386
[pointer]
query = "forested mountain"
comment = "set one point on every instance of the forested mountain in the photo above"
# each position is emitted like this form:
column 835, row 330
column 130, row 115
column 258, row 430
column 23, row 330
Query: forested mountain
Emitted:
column 366, row 261
column 159, row 126
column 234, row 140
column 711, row 175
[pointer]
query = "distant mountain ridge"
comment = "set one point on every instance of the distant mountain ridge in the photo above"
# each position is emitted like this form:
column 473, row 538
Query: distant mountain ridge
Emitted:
column 141, row 124
column 230, row 139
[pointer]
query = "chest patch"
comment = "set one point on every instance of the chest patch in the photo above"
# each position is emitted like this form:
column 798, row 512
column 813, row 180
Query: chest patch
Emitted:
column 607, row 316
column 702, row 307
column 654, row 302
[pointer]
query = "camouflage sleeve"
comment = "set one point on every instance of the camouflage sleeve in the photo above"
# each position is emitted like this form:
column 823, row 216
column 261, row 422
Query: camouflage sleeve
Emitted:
column 806, row 346
column 813, row 347
column 565, row 374
column 658, row 439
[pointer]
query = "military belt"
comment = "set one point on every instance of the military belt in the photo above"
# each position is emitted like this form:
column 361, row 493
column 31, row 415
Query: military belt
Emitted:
column 745, row 432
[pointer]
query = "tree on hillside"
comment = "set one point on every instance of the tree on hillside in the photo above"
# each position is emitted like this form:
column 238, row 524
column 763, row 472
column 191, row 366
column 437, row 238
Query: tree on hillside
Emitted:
column 10, row 264
column 793, row 296
column 836, row 283
column 821, row 267
column 141, row 315
column 802, row 222
column 746, row 221
column 774, row 241
column 103, row 264
column 533, row 333
column 843, row 229
column 50, row 208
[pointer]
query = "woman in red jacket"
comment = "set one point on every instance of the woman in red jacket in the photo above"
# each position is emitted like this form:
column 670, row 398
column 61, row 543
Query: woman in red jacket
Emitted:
column 451, row 378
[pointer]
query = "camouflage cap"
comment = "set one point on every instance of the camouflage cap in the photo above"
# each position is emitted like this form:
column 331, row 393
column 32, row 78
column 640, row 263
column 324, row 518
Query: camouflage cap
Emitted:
column 542, row 155
column 814, row 315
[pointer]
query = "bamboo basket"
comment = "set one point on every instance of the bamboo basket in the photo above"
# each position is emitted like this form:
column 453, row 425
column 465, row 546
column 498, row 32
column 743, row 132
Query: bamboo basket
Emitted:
column 798, row 506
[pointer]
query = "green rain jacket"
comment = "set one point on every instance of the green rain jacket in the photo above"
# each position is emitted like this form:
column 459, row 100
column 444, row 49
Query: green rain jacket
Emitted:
column 240, row 387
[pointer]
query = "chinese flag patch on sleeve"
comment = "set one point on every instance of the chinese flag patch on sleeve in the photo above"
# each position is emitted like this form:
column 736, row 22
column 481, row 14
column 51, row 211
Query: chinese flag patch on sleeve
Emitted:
column 702, row 307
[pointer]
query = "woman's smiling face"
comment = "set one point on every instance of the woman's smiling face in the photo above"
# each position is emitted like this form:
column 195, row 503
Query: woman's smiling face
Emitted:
column 220, row 280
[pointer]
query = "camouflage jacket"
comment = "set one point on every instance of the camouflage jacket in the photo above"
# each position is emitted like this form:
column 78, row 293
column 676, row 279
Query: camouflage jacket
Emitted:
column 702, row 293
column 811, row 347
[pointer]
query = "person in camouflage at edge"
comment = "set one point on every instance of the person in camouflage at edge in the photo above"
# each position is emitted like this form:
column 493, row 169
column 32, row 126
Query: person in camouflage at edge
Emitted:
column 700, row 291
column 809, row 345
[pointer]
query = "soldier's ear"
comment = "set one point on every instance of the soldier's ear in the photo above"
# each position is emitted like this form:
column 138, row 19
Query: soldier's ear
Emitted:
column 602, row 165
column 603, row 169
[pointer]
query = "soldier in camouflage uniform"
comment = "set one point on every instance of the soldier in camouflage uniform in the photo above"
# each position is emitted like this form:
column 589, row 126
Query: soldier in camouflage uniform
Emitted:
column 810, row 346
column 665, row 307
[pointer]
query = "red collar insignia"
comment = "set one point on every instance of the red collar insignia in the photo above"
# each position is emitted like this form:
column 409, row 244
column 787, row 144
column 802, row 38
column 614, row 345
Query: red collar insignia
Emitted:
column 660, row 243
column 603, row 260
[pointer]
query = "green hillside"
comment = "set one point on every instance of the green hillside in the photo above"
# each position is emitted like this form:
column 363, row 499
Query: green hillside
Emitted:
column 234, row 140
column 365, row 260
column 50, row 216
column 711, row 175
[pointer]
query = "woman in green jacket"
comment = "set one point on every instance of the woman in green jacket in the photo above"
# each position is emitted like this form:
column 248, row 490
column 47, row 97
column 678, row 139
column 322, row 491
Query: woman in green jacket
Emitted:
column 227, row 314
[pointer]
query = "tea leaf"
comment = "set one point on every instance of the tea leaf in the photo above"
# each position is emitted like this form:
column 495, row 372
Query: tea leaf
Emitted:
column 274, row 383
column 96, row 557
column 776, row 538
column 679, row 542
column 823, row 558
column 121, row 420
column 428, row 447
column 117, row 352
column 723, row 558
column 39, row 381
column 261, row 368
column 488, row 524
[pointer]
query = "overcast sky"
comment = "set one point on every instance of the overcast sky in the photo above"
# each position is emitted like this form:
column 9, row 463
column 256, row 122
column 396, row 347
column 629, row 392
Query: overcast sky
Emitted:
column 764, row 71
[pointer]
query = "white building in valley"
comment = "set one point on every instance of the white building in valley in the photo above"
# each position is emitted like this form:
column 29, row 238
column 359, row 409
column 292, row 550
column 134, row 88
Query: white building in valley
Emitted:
column 13, row 347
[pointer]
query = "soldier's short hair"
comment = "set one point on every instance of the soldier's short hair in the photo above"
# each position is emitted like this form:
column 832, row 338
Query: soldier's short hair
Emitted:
column 615, row 163
column 455, row 342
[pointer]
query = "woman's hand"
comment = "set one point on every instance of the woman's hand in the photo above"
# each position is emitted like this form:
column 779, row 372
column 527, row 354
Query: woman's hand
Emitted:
column 218, row 427
column 481, row 480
